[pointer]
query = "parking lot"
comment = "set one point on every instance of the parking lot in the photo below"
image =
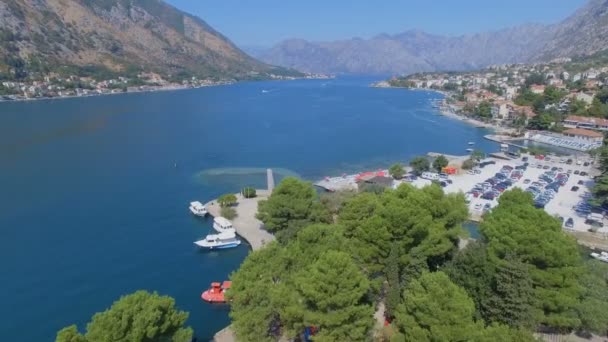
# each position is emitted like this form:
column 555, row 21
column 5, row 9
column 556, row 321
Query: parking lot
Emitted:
column 558, row 187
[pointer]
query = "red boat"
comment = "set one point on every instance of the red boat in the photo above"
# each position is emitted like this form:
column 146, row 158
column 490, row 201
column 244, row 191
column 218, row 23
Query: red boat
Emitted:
column 216, row 292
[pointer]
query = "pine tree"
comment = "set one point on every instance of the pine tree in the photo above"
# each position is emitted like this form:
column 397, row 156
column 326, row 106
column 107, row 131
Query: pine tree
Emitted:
column 393, row 295
column 510, row 301
column 332, row 291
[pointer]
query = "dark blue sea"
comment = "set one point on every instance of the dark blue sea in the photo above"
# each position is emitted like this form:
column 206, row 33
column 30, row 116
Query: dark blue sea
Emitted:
column 94, row 192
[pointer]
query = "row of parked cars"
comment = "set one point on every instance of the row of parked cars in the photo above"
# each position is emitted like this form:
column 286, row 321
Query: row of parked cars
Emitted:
column 492, row 187
column 546, row 187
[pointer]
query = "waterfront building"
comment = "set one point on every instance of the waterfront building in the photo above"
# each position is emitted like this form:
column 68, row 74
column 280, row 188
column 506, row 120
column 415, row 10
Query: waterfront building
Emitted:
column 574, row 121
column 584, row 135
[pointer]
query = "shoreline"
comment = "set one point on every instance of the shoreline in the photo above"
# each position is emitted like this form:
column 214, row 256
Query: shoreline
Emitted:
column 155, row 90
column 174, row 87
column 445, row 109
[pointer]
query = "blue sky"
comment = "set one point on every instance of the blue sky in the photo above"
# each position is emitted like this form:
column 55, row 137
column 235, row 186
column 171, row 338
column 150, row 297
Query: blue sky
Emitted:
column 266, row 22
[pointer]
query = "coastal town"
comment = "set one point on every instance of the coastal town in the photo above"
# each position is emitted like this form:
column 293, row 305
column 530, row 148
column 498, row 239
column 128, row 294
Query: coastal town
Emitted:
column 562, row 103
column 55, row 85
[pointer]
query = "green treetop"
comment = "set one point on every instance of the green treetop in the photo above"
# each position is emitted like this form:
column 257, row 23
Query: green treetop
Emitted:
column 420, row 165
column 440, row 162
column 292, row 205
column 141, row 316
column 332, row 291
column 227, row 200
column 397, row 171
column 516, row 228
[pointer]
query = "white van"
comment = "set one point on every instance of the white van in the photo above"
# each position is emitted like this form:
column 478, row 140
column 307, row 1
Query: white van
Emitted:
column 430, row 176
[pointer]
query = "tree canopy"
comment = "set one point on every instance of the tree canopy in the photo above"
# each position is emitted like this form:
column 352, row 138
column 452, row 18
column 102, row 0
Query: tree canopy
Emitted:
column 397, row 171
column 420, row 165
column 517, row 228
column 292, row 205
column 141, row 316
column 440, row 162
column 227, row 200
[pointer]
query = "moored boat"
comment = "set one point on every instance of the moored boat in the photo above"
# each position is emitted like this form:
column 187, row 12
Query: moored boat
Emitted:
column 469, row 150
column 198, row 209
column 216, row 293
column 219, row 241
column 222, row 225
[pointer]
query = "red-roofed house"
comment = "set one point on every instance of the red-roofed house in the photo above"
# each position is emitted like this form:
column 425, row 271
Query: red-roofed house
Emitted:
column 585, row 135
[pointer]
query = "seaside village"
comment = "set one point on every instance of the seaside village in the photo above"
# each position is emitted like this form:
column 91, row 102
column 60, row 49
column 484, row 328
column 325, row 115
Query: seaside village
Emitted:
column 55, row 85
column 563, row 103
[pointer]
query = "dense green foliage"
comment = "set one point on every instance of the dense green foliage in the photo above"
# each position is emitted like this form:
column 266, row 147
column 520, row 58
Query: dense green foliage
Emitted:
column 292, row 206
column 399, row 247
column 141, row 316
column 227, row 200
column 396, row 236
column 249, row 192
column 436, row 309
column 397, row 171
column 420, row 165
column 440, row 162
column 517, row 229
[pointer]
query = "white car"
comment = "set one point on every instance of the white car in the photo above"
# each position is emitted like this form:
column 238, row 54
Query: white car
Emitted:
column 478, row 206
column 578, row 162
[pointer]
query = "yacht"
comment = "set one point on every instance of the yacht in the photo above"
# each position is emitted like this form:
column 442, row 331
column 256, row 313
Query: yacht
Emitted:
column 222, row 225
column 603, row 256
column 219, row 241
column 198, row 209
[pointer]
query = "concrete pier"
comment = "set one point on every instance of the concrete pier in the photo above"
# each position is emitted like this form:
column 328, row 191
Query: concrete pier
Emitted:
column 269, row 180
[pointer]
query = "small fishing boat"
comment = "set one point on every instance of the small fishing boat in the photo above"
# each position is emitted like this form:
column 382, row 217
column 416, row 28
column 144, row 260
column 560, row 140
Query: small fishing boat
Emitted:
column 219, row 241
column 222, row 225
column 198, row 209
column 471, row 143
column 216, row 293
column 469, row 150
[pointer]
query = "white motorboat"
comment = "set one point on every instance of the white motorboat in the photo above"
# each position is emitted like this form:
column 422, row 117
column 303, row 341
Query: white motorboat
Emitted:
column 219, row 241
column 222, row 225
column 471, row 143
column 198, row 209
column 603, row 256
column 469, row 150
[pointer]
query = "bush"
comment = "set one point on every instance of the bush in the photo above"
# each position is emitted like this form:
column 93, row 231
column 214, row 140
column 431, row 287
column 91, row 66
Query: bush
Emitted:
column 249, row 192
column 228, row 212
column 468, row 164
column 397, row 171
column 227, row 200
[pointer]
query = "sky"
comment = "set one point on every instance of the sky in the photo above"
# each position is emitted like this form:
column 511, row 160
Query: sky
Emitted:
column 266, row 22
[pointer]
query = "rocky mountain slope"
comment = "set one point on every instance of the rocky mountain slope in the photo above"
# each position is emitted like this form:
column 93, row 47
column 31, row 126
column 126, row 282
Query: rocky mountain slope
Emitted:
column 585, row 32
column 116, row 36
column 582, row 34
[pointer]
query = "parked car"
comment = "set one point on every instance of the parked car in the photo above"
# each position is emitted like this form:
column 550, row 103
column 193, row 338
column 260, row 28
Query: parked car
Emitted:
column 574, row 188
column 527, row 181
column 576, row 172
column 569, row 222
column 578, row 162
column 586, row 164
column 546, row 167
column 583, row 173
column 581, row 182
column 478, row 206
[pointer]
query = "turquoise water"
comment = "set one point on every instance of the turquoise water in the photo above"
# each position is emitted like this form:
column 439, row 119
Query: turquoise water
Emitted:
column 92, row 205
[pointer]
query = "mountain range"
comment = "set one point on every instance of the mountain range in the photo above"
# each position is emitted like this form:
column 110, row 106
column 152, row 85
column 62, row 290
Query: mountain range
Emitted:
column 116, row 36
column 583, row 33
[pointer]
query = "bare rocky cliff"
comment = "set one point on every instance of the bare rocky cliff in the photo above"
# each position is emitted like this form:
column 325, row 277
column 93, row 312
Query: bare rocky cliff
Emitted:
column 117, row 35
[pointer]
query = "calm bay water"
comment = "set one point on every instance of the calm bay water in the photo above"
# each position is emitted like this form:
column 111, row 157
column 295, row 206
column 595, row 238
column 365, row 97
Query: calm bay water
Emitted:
column 93, row 206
